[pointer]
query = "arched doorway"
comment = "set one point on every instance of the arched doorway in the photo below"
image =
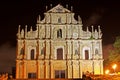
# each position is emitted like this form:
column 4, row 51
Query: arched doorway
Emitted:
column 86, row 54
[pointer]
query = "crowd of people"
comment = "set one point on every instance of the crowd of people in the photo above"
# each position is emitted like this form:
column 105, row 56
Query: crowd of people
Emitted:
column 4, row 76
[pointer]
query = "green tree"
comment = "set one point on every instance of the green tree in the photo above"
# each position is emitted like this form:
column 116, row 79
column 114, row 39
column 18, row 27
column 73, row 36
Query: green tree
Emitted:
column 114, row 55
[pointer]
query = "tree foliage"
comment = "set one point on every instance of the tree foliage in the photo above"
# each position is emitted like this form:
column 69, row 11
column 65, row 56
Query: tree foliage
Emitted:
column 114, row 55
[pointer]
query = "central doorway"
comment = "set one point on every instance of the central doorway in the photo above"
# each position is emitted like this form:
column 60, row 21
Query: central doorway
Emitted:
column 59, row 73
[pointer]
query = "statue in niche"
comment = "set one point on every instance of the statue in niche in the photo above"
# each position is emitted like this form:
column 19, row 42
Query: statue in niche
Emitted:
column 96, row 51
column 97, row 55
column 43, row 51
column 76, row 56
column 59, row 33
column 59, row 20
column 76, row 52
column 21, row 55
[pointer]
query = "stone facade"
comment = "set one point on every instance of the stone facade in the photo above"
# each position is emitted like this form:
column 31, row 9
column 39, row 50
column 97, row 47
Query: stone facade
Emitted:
column 58, row 48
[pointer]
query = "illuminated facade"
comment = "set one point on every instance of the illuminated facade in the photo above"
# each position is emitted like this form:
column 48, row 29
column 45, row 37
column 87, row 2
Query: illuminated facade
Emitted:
column 58, row 48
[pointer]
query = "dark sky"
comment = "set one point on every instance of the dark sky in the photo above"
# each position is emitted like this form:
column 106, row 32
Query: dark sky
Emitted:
column 24, row 12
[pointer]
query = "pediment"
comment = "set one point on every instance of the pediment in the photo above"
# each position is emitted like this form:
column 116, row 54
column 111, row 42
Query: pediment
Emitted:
column 58, row 9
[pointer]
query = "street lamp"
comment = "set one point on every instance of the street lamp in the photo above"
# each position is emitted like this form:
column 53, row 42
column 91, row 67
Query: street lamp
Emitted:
column 114, row 67
column 107, row 71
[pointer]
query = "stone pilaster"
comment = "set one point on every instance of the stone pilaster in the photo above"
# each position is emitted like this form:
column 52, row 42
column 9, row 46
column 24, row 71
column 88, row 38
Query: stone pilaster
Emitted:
column 101, row 67
column 25, row 49
column 81, row 55
column 80, row 69
column 100, row 42
column 72, row 45
column 52, row 50
column 17, row 69
column 37, row 50
column 92, row 52
column 69, row 49
column 75, row 69
column 69, row 65
column 66, row 54
column 38, row 69
column 24, row 70
column 21, row 67
column 42, row 71
column 66, row 30
column 78, row 31
column 47, row 50
column 52, row 70
column 47, row 67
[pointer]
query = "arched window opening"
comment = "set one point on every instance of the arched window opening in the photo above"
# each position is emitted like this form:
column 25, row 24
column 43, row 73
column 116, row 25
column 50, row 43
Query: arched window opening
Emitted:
column 86, row 54
column 59, row 54
column 32, row 54
column 59, row 33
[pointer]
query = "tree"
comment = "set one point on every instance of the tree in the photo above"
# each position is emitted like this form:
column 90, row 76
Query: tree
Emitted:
column 114, row 55
column 117, row 43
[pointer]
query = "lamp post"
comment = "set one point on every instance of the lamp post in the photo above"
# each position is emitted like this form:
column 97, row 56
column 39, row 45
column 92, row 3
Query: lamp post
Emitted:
column 114, row 67
column 107, row 71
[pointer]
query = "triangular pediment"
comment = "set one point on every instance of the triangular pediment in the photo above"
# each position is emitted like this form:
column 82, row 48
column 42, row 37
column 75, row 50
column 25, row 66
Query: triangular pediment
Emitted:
column 59, row 8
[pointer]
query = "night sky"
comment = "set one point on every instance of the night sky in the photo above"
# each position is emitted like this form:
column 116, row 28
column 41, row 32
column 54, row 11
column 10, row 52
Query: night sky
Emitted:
column 25, row 12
